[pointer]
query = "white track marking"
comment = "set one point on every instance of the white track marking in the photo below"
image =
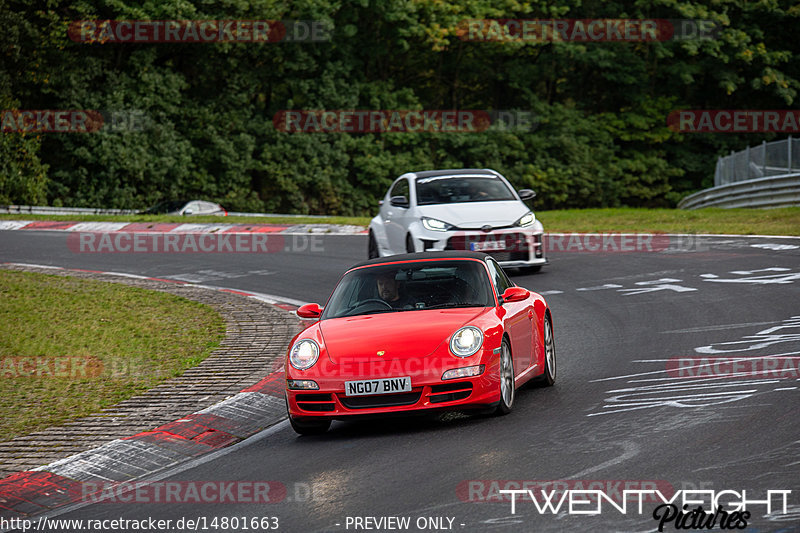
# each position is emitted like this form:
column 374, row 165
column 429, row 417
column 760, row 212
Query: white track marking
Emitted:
column 657, row 285
column 749, row 272
column 639, row 374
column 775, row 246
column 600, row 287
column 629, row 450
column 721, row 327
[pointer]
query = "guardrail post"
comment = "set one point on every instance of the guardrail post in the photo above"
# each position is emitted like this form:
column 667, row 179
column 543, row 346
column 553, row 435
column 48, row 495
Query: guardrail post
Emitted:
column 764, row 162
column 747, row 152
column 789, row 154
column 732, row 169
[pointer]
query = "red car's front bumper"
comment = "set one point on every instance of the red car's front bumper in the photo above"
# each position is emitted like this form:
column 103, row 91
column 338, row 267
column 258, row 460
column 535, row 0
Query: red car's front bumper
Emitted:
column 427, row 394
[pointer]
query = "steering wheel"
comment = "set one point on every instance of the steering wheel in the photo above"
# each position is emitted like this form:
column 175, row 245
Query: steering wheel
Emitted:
column 373, row 301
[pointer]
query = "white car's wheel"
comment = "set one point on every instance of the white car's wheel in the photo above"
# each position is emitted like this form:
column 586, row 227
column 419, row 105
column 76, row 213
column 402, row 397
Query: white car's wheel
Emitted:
column 410, row 248
column 372, row 247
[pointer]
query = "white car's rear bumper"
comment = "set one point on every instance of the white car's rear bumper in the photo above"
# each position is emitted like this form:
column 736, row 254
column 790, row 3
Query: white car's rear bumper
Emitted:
column 511, row 247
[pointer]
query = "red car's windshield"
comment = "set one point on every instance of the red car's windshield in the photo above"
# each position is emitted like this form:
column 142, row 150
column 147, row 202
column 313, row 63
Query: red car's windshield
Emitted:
column 410, row 287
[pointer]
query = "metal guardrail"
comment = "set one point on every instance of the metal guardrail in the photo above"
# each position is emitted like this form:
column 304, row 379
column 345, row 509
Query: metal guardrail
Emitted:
column 46, row 210
column 775, row 158
column 774, row 191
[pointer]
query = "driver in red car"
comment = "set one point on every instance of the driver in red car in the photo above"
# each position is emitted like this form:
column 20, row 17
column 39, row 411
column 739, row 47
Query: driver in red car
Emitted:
column 391, row 292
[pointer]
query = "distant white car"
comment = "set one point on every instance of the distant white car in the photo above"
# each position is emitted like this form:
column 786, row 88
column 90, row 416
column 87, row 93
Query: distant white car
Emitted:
column 186, row 208
column 465, row 209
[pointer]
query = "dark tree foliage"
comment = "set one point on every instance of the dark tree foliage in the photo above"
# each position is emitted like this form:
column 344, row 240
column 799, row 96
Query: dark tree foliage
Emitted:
column 205, row 110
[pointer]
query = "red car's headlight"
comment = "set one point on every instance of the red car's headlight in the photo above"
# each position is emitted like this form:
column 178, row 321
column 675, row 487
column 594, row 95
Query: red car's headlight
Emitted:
column 466, row 341
column 304, row 354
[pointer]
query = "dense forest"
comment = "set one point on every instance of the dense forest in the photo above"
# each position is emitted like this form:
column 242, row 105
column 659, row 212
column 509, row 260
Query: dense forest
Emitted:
column 198, row 119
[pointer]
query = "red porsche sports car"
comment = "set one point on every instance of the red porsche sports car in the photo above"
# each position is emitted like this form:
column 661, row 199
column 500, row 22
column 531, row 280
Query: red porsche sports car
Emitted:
column 418, row 332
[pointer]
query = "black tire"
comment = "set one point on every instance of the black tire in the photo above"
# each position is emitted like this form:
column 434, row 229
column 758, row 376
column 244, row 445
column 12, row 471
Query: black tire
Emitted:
column 372, row 247
column 548, row 378
column 310, row 428
column 507, row 386
column 410, row 244
column 530, row 269
column 316, row 427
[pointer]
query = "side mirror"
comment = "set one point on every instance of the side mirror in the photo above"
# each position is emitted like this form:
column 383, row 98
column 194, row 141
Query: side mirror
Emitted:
column 526, row 194
column 514, row 294
column 309, row 311
column 399, row 201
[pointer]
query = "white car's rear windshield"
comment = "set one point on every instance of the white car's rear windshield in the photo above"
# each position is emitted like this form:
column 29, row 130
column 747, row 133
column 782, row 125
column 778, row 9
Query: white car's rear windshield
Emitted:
column 456, row 189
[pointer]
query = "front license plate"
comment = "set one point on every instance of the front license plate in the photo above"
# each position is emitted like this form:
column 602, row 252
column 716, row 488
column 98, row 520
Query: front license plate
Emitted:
column 377, row 386
column 488, row 246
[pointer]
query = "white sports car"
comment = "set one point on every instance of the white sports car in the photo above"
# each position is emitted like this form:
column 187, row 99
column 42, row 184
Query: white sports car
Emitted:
column 466, row 209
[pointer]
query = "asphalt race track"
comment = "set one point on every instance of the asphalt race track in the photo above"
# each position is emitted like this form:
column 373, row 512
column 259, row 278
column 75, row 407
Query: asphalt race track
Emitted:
column 622, row 414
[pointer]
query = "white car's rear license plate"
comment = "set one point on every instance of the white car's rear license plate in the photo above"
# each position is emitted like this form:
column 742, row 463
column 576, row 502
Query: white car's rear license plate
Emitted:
column 377, row 386
column 488, row 246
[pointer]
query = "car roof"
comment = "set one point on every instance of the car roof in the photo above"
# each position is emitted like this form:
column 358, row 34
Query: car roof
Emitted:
column 454, row 172
column 443, row 256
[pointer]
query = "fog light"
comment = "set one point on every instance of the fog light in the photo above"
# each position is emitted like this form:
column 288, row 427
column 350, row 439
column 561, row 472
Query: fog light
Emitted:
column 301, row 384
column 466, row 372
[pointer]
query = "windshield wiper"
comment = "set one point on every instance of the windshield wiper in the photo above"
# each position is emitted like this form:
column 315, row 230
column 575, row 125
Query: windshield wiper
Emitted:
column 373, row 312
column 452, row 304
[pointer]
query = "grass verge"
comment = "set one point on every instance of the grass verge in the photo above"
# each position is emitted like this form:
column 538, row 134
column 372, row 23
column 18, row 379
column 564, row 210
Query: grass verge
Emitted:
column 784, row 221
column 69, row 346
